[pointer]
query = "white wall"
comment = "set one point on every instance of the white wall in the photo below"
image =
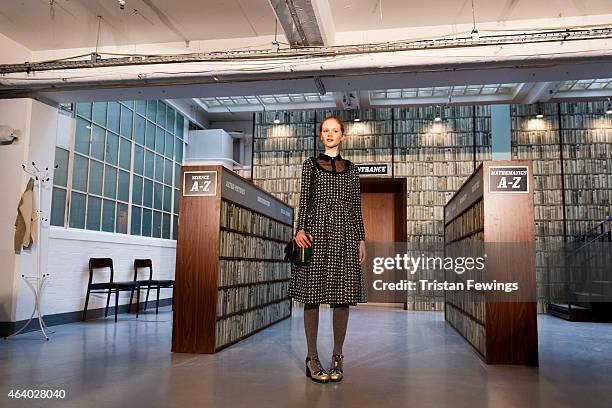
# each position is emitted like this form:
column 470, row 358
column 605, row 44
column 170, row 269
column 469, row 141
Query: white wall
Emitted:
column 71, row 251
column 14, row 113
column 244, row 126
column 41, row 132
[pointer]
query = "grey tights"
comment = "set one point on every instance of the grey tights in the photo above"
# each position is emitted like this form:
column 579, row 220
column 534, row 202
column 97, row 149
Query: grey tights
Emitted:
column 311, row 326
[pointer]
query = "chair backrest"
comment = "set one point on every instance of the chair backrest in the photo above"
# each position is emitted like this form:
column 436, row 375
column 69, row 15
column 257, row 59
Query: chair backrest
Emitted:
column 141, row 264
column 100, row 263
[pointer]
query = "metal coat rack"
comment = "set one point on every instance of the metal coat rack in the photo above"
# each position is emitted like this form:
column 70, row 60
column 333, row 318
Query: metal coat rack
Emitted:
column 37, row 282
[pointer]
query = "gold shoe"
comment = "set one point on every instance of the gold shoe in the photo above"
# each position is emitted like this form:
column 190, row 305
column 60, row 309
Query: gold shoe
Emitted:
column 315, row 371
column 335, row 372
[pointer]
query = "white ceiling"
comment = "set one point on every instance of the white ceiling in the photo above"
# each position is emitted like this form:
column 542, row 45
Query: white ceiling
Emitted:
column 352, row 15
column 74, row 24
column 61, row 24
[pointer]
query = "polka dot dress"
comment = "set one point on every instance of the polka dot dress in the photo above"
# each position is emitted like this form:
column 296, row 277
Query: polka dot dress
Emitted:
column 334, row 274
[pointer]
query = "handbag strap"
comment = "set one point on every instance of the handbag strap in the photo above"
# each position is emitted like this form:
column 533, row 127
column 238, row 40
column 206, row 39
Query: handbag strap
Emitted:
column 312, row 192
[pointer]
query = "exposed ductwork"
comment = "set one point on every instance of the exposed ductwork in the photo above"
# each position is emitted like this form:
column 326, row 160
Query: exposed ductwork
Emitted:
column 299, row 22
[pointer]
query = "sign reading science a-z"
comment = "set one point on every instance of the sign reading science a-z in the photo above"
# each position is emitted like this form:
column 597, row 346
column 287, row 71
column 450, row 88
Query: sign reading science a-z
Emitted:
column 508, row 179
column 200, row 183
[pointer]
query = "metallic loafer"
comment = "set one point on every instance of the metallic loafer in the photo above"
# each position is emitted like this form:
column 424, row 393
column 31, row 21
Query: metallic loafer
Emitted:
column 335, row 372
column 315, row 371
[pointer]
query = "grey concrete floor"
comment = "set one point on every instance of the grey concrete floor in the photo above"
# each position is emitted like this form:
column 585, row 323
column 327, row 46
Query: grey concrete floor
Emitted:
column 392, row 358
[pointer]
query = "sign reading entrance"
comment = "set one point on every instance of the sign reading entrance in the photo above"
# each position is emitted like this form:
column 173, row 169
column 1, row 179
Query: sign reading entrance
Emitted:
column 200, row 183
column 508, row 179
column 372, row 168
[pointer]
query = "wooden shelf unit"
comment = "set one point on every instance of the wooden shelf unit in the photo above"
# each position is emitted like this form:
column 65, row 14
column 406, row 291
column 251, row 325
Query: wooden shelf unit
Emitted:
column 502, row 332
column 231, row 279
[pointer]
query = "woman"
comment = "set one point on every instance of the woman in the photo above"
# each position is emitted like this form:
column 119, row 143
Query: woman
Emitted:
column 329, row 219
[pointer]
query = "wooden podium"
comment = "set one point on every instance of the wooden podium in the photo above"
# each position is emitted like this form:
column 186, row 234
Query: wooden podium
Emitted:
column 231, row 279
column 493, row 211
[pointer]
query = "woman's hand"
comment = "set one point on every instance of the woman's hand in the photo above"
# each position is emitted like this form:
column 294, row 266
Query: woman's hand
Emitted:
column 362, row 252
column 303, row 240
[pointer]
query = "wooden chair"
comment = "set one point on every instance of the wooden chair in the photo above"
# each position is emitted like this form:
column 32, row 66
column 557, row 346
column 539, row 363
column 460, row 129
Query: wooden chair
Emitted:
column 156, row 283
column 108, row 287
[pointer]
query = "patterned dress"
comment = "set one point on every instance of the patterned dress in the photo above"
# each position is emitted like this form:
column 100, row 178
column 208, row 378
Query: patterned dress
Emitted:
column 334, row 275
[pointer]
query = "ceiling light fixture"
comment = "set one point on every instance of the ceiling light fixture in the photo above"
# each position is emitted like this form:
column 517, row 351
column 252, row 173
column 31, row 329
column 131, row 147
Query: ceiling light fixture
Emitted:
column 438, row 114
column 609, row 107
column 357, row 118
column 539, row 113
column 277, row 118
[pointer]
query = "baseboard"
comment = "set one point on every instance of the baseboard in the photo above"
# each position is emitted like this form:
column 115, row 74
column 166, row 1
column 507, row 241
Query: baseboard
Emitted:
column 6, row 328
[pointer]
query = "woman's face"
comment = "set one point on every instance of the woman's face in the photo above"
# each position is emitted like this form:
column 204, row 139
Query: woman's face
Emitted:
column 331, row 133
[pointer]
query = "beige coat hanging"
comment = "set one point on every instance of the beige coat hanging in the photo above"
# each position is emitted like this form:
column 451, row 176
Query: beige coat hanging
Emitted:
column 27, row 219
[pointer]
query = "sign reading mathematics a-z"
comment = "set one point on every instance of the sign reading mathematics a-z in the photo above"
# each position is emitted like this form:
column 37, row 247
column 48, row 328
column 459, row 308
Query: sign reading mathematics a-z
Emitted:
column 200, row 183
column 372, row 168
column 508, row 179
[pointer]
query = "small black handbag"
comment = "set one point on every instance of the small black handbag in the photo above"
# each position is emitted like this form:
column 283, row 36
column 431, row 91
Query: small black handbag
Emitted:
column 296, row 254
column 293, row 252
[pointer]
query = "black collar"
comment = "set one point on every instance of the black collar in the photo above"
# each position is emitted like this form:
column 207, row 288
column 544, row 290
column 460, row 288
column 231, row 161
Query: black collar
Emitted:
column 324, row 157
column 327, row 158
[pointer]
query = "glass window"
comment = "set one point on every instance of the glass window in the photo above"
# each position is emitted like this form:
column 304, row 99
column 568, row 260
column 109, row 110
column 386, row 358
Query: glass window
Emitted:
column 159, row 168
column 137, row 190
column 160, row 140
column 96, row 169
column 139, row 129
column 126, row 122
column 99, row 113
column 141, row 107
column 146, row 222
column 123, row 190
column 147, row 196
column 108, row 216
column 123, row 150
column 169, row 145
column 94, row 207
column 122, row 218
column 167, row 198
column 136, row 218
column 125, row 154
column 168, row 171
column 170, row 119
column 110, row 182
column 177, row 175
column 157, row 196
column 60, row 176
column 161, row 113
column 58, row 206
column 151, row 110
column 84, row 109
column 112, row 148
column 157, row 220
column 79, row 173
column 150, row 136
column 166, row 220
column 176, row 201
column 174, row 227
column 138, row 159
column 180, row 126
column 114, row 112
column 179, row 151
column 97, row 142
column 82, row 136
column 77, row 210
column 149, row 163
